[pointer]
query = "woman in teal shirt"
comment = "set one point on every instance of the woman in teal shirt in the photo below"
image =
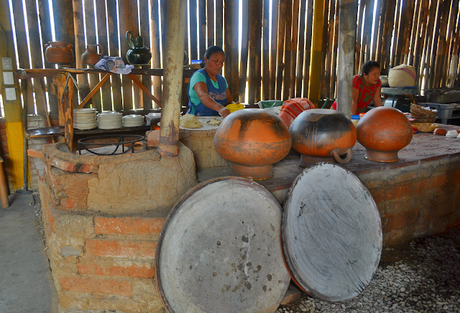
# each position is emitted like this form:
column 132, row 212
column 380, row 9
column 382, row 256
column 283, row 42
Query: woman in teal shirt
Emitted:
column 208, row 91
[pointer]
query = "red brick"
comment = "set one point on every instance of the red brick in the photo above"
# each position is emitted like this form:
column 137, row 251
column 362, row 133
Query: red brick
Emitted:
column 120, row 248
column 95, row 285
column 400, row 220
column 128, row 225
column 115, row 270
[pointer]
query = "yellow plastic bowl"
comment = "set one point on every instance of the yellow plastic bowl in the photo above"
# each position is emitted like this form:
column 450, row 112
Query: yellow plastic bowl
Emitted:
column 232, row 107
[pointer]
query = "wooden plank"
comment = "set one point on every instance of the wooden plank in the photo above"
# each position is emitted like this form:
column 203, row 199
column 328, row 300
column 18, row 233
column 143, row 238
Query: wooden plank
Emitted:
column 95, row 90
column 231, row 47
column 407, row 20
column 144, row 102
column 202, row 26
column 287, row 50
column 155, row 42
column 90, row 33
column 255, row 42
column 114, row 50
column 266, row 51
column 246, row 39
column 193, row 20
column 219, row 23
column 308, row 35
column 210, row 22
column 324, row 74
column 36, row 58
column 332, row 92
column 359, row 54
column 281, row 54
column 79, row 46
column 441, row 46
column 21, row 39
column 293, row 47
column 301, row 52
column 45, row 25
column 143, row 88
column 102, row 40
column 274, row 51
column 419, row 47
column 387, row 29
column 128, row 21
column 63, row 20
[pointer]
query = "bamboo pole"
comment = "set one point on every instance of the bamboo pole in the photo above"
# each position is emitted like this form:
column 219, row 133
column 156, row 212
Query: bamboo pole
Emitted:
column 347, row 25
column 175, row 28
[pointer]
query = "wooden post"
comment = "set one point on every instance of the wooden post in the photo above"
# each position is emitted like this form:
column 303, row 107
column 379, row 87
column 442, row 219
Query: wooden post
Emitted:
column 346, row 54
column 173, row 60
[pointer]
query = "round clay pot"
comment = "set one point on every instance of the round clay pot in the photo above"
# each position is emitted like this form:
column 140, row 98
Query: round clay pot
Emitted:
column 322, row 135
column 384, row 131
column 252, row 140
column 59, row 52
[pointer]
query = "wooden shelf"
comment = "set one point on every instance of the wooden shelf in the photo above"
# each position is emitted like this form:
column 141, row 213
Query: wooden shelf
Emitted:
column 59, row 131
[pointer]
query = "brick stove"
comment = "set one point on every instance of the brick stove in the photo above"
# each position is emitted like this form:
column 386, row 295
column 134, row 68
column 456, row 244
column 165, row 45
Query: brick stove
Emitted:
column 102, row 217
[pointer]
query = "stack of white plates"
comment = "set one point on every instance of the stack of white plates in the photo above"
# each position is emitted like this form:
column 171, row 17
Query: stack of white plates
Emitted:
column 109, row 120
column 84, row 119
column 133, row 120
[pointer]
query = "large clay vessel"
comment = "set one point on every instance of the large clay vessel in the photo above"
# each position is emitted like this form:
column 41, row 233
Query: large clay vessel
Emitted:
column 90, row 56
column 59, row 52
column 322, row 135
column 252, row 140
column 384, row 131
column 137, row 53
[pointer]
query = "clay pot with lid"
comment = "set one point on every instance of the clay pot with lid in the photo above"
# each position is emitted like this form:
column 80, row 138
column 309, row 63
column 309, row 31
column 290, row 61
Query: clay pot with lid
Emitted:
column 252, row 140
column 384, row 131
column 322, row 135
column 59, row 52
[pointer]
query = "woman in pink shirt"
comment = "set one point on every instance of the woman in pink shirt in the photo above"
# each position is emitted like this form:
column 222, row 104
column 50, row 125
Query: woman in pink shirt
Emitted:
column 366, row 88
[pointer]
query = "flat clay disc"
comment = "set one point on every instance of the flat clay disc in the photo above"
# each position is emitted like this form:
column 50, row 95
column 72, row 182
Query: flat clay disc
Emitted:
column 332, row 233
column 220, row 250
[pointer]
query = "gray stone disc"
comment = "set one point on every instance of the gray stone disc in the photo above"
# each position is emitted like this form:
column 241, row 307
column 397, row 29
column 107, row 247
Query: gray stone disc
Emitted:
column 220, row 250
column 332, row 233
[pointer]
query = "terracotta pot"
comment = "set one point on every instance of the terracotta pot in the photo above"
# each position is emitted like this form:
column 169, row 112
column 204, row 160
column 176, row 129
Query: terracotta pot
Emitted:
column 90, row 56
column 252, row 140
column 59, row 52
column 384, row 131
column 322, row 135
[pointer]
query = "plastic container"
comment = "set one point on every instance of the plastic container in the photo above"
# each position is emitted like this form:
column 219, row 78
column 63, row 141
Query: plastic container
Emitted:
column 355, row 119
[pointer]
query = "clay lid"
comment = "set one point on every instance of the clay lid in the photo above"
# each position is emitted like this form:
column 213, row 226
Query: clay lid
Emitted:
column 219, row 250
column 332, row 233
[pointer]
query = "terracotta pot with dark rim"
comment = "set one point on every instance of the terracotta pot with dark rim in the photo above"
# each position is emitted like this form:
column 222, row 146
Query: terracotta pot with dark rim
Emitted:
column 322, row 135
column 384, row 131
column 59, row 52
column 252, row 140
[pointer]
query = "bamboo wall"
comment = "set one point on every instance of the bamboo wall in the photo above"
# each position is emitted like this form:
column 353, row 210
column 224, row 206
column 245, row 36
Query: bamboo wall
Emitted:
column 268, row 59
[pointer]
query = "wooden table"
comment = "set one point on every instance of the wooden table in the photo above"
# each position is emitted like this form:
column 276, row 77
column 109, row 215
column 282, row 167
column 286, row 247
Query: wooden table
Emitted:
column 64, row 79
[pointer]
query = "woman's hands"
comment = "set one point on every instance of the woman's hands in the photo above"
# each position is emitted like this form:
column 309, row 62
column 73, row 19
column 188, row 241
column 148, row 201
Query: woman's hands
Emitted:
column 224, row 112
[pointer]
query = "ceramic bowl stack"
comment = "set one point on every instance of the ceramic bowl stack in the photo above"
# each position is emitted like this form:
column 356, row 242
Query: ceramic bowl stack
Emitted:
column 151, row 116
column 133, row 120
column 84, row 119
column 109, row 120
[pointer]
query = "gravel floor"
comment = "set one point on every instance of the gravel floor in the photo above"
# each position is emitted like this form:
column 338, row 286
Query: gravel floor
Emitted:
column 422, row 276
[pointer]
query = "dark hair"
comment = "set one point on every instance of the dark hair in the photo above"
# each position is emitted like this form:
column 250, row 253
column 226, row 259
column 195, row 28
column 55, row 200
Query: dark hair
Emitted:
column 211, row 50
column 368, row 66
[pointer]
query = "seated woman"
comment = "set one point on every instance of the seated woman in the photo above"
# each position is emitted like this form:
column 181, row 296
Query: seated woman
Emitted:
column 208, row 91
column 366, row 88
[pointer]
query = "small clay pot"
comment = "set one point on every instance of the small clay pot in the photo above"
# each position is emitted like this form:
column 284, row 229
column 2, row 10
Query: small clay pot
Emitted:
column 252, row 140
column 59, row 52
column 384, row 131
column 90, row 56
column 322, row 135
